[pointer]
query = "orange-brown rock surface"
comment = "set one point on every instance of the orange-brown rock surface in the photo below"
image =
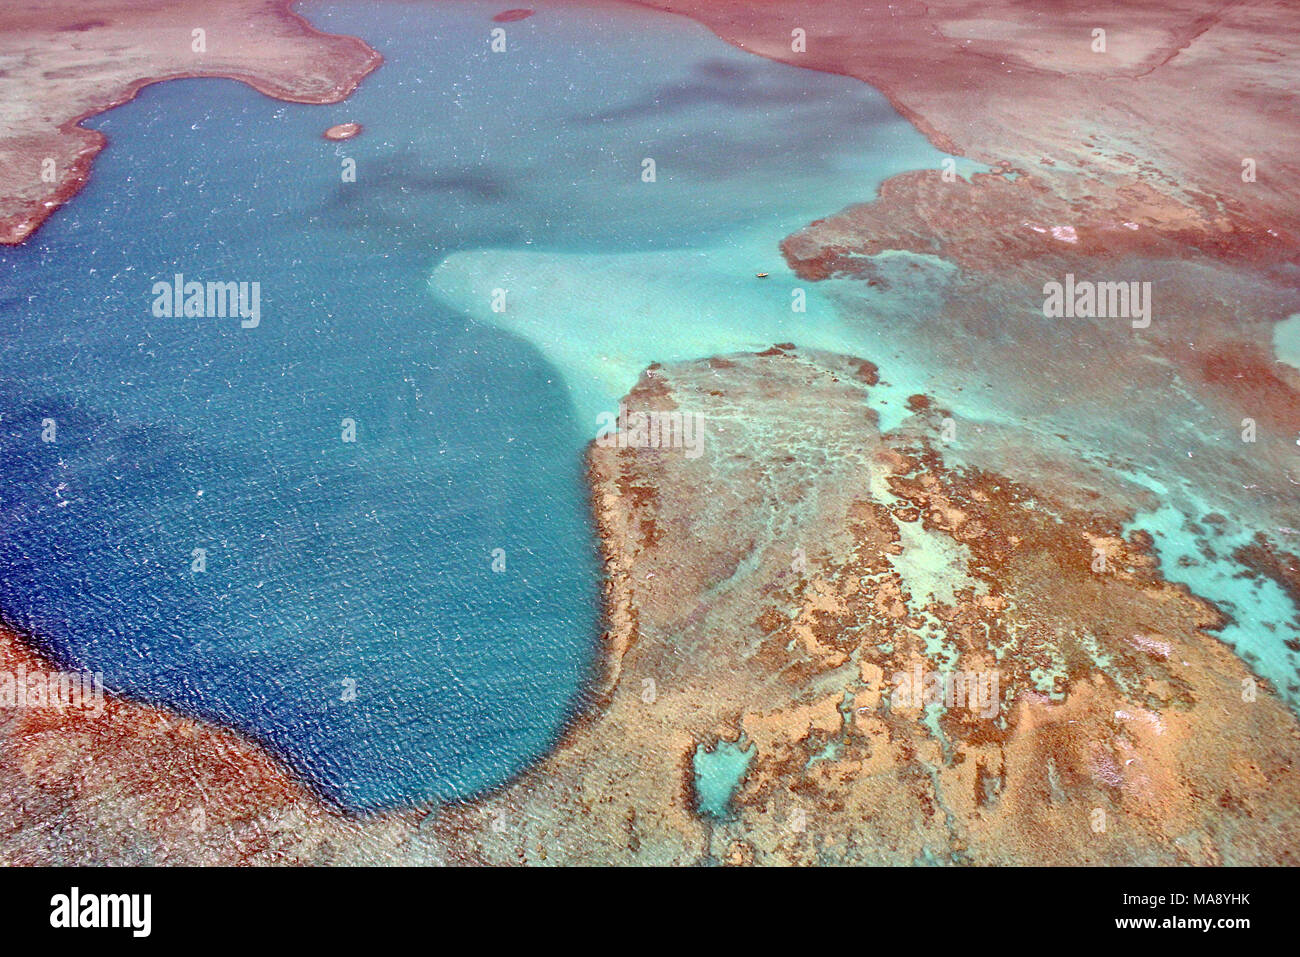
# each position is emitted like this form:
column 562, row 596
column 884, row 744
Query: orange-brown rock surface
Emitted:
column 343, row 131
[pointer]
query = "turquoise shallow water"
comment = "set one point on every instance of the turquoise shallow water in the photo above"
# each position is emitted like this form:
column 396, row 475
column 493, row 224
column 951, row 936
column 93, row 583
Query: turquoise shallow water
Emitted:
column 718, row 773
column 745, row 152
column 349, row 614
column 1286, row 341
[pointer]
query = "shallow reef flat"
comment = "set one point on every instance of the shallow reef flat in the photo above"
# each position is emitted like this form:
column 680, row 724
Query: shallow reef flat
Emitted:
column 773, row 592
column 770, row 595
column 1180, row 94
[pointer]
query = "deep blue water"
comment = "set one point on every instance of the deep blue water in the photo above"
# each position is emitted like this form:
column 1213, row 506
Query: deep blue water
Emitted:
column 367, row 562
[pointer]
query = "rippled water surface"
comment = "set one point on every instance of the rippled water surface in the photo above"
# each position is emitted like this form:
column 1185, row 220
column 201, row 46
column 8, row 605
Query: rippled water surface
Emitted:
column 410, row 615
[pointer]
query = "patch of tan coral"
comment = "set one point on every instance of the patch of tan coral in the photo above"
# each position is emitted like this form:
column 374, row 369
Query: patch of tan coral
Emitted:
column 1123, row 731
